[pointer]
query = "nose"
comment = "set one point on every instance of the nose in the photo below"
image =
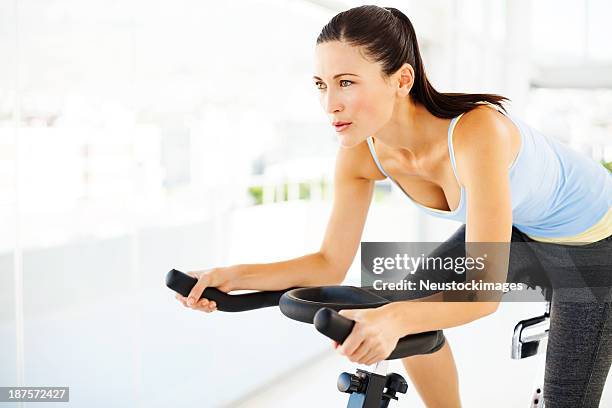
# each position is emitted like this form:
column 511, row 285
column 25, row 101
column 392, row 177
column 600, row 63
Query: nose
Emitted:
column 331, row 103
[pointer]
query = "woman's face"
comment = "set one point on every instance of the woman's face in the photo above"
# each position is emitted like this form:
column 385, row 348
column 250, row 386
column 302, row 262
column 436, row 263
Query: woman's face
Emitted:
column 352, row 90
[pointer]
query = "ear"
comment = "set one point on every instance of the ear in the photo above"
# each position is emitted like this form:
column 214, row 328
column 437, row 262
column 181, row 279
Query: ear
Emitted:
column 405, row 79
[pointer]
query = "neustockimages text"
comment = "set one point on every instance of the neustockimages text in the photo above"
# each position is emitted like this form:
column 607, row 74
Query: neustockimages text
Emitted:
column 427, row 285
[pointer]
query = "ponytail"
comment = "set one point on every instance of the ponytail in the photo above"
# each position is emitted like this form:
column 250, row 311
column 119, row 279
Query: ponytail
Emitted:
column 444, row 105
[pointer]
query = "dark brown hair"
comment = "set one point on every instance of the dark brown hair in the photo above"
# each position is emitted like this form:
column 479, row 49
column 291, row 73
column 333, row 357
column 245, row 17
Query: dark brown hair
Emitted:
column 388, row 37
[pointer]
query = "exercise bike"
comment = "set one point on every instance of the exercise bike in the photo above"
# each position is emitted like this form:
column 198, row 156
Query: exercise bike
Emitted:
column 320, row 306
column 530, row 338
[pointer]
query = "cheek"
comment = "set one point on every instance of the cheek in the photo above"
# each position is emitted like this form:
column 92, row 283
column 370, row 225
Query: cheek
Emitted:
column 370, row 111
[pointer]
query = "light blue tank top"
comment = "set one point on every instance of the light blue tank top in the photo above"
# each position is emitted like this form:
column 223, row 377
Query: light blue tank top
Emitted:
column 556, row 191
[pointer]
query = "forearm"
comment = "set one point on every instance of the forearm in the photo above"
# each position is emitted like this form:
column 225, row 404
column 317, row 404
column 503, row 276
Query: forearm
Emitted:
column 434, row 313
column 308, row 270
column 410, row 317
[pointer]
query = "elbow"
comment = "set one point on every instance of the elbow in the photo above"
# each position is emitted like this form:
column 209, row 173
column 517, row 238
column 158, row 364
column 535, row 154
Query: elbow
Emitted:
column 330, row 278
column 334, row 274
column 487, row 308
column 477, row 310
column 340, row 278
column 336, row 277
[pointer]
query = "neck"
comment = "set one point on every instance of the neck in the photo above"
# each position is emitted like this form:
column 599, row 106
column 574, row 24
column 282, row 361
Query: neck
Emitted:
column 413, row 131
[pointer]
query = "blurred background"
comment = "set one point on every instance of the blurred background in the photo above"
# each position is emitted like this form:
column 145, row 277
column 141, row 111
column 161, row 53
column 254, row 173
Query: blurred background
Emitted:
column 136, row 137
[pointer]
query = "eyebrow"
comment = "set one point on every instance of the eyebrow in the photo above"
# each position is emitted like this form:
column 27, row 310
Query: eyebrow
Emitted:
column 335, row 76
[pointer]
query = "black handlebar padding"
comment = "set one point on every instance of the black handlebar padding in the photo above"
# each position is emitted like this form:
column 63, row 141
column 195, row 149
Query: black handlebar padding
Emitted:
column 182, row 283
column 337, row 327
column 419, row 343
column 302, row 304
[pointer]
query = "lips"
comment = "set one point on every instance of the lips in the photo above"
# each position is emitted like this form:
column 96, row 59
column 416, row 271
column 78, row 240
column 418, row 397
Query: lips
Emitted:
column 340, row 126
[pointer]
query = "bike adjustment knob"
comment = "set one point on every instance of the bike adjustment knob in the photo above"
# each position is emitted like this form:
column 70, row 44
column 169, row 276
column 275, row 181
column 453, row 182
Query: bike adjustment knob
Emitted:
column 349, row 383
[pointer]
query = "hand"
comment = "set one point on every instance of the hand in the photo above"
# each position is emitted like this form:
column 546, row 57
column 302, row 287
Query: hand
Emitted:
column 373, row 338
column 220, row 278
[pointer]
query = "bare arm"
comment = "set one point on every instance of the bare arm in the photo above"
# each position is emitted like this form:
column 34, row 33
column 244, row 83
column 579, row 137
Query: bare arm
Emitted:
column 489, row 216
column 328, row 266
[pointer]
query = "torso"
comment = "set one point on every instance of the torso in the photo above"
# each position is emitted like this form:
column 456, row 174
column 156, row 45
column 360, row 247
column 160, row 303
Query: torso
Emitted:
column 433, row 184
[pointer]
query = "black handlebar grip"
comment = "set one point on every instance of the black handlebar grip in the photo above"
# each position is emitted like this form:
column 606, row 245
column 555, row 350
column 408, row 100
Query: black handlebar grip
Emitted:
column 337, row 327
column 417, row 344
column 182, row 283
column 332, row 324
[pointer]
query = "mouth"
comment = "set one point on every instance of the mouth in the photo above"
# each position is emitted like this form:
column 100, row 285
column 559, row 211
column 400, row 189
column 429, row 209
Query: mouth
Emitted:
column 340, row 126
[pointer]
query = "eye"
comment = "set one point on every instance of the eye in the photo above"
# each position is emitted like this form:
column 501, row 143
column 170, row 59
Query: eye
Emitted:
column 321, row 86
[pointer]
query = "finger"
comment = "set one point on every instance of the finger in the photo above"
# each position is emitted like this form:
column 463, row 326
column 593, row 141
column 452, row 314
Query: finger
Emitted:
column 198, row 288
column 209, row 307
column 351, row 343
column 362, row 351
column 372, row 357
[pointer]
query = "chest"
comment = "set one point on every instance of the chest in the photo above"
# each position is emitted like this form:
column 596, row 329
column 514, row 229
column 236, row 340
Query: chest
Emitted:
column 432, row 183
column 434, row 186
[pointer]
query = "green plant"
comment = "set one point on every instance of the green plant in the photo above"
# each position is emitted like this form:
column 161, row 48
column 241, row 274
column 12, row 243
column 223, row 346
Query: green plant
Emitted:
column 304, row 191
column 256, row 192
column 607, row 165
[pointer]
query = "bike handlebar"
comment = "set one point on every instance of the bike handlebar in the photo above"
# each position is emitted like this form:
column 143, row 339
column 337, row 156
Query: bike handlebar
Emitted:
column 182, row 283
column 337, row 327
column 327, row 321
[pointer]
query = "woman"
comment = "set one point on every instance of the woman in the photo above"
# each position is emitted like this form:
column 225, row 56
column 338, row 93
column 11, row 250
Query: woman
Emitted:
column 457, row 156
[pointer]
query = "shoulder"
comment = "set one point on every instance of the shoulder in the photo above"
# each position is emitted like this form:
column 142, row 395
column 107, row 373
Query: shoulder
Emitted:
column 357, row 162
column 481, row 140
column 482, row 122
